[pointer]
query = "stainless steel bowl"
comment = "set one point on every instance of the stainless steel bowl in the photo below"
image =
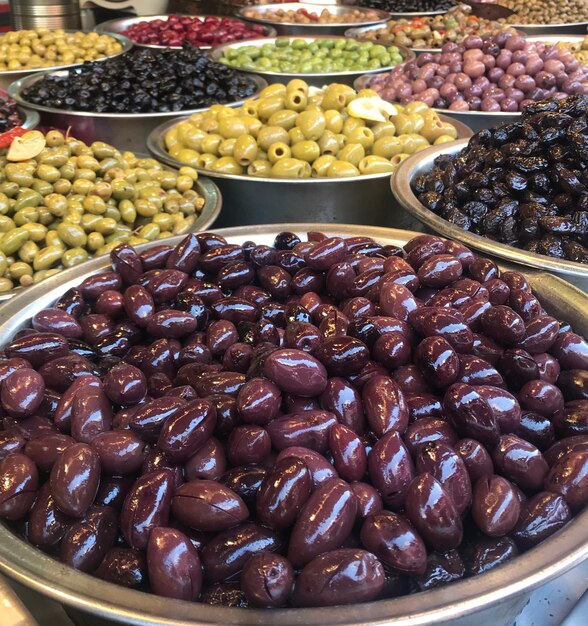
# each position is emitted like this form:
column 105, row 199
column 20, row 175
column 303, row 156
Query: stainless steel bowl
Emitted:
column 211, row 209
column 292, row 28
column 476, row 120
column 552, row 29
column 120, row 25
column 251, row 200
column 422, row 162
column 491, row 599
column 316, row 80
column 8, row 77
column 31, row 118
column 126, row 131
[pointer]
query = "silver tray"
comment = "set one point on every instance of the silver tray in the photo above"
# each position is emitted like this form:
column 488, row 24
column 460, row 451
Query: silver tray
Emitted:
column 362, row 199
column 119, row 26
column 422, row 162
column 476, row 120
column 126, row 131
column 491, row 599
column 292, row 28
column 9, row 76
column 316, row 80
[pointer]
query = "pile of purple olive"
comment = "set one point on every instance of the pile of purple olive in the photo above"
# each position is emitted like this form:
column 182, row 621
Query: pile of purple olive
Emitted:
column 524, row 184
column 500, row 73
column 316, row 423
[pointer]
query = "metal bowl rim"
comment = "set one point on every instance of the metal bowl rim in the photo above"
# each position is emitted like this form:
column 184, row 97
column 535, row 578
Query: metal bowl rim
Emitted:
column 554, row 26
column 557, row 554
column 262, row 8
column 127, row 44
column 31, row 117
column 400, row 184
column 102, row 28
column 155, row 146
column 216, row 51
column 17, row 86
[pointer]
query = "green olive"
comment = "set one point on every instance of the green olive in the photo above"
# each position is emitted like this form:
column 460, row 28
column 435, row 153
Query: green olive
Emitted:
column 290, row 168
column 285, row 119
column 321, row 166
column 268, row 106
column 362, row 135
column 373, row 164
column 95, row 241
column 27, row 198
column 6, row 224
column 259, row 168
column 27, row 215
column 13, row 240
column 312, row 124
column 74, row 256
column 27, row 252
column 227, row 165
column 342, row 169
column 387, row 147
column 72, row 235
column 351, row 153
column 277, row 151
column 18, row 269
column 47, row 257
column 48, row 173
column 245, row 150
column 272, row 134
column 306, row 151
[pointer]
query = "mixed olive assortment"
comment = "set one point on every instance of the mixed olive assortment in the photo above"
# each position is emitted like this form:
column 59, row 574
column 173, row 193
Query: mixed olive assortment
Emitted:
column 290, row 133
column 71, row 201
column 197, row 31
column 524, row 184
column 232, row 423
column 39, row 48
column 504, row 72
column 547, row 11
column 431, row 31
column 143, row 81
column 319, row 56
column 409, row 6
column 580, row 49
column 305, row 16
column 9, row 114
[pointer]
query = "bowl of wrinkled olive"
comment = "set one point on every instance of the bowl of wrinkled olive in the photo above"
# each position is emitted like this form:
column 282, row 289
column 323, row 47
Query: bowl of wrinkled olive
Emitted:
column 525, row 215
column 303, row 153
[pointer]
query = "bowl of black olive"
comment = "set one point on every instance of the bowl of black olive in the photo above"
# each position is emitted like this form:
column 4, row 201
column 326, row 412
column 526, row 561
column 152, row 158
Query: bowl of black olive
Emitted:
column 518, row 191
column 121, row 100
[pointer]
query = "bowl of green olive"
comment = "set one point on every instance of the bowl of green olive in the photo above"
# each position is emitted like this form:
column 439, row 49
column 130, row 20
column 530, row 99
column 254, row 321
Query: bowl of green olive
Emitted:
column 298, row 152
column 24, row 52
column 317, row 60
column 63, row 201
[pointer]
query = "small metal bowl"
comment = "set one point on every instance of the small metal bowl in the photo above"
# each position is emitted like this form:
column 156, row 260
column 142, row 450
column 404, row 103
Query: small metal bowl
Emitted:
column 8, row 77
column 572, row 28
column 494, row 598
column 476, row 120
column 119, row 26
column 253, row 200
column 211, row 209
column 422, row 162
column 316, row 80
column 126, row 131
column 292, row 28
column 31, row 119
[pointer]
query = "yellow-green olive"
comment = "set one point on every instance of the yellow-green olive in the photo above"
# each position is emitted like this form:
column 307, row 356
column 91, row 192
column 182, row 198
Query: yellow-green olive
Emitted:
column 351, row 153
column 296, row 135
column 306, row 150
column 291, row 168
column 95, row 241
column 273, row 90
column 295, row 100
column 245, row 150
column 13, row 240
column 277, row 151
column 362, row 135
column 226, row 147
column 259, row 168
column 211, row 142
column 373, row 164
column 285, row 118
column 334, row 121
column 74, row 256
column 383, row 129
column 387, row 147
column 342, row 169
column 231, row 127
column 272, row 134
column 321, row 166
column 312, row 124
column 268, row 106
column 226, row 165
column 47, row 257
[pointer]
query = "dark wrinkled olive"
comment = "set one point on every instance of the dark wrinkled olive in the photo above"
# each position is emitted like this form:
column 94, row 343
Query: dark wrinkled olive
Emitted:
column 38, row 348
column 342, row 399
column 74, row 479
column 320, row 469
column 442, row 568
column 18, row 486
column 495, row 507
column 45, row 450
column 541, row 516
column 395, row 542
column 53, row 320
column 91, row 413
column 391, row 469
column 226, row 553
column 173, row 565
column 487, row 553
column 187, row 430
column 127, row 263
column 568, row 477
column 146, row 506
column 309, row 429
column 520, row 461
column 432, row 512
column 438, row 361
column 283, row 492
column 86, row 541
column 384, row 405
column 324, row 522
column 344, row 576
column 120, row 451
column 443, row 463
column 470, row 414
column 267, row 580
column 123, row 566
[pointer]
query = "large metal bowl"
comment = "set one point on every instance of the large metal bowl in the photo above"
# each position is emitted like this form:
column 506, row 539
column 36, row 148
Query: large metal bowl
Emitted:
column 251, row 200
column 476, row 120
column 422, row 162
column 491, row 599
column 126, row 131
column 120, row 25
column 292, row 28
column 8, row 77
column 211, row 209
column 316, row 80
